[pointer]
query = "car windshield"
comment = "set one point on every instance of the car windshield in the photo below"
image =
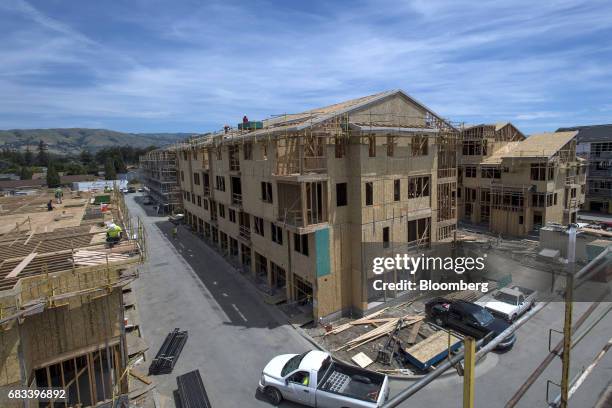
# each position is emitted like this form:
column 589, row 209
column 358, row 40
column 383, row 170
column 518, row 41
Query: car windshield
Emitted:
column 506, row 298
column 483, row 317
column 292, row 364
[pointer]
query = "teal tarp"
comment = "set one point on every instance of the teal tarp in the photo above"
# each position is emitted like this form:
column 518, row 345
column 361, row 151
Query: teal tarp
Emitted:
column 322, row 252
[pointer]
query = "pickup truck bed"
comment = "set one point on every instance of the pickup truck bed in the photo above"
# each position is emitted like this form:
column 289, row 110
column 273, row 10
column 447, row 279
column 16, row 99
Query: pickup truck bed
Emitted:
column 352, row 382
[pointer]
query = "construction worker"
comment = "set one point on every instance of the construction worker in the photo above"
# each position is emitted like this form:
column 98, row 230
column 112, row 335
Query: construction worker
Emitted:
column 50, row 205
column 113, row 233
column 245, row 122
column 58, row 195
column 174, row 232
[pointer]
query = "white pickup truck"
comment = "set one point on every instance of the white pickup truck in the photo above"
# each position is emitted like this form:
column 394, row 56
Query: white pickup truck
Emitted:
column 314, row 379
column 509, row 303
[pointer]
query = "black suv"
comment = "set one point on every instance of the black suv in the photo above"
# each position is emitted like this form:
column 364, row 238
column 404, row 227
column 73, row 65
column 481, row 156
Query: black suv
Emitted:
column 468, row 318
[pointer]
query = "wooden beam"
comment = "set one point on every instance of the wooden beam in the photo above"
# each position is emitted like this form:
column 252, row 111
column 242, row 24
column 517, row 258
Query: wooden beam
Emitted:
column 22, row 264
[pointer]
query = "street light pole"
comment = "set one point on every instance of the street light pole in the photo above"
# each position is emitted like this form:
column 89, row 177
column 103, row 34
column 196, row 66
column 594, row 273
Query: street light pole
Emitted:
column 567, row 326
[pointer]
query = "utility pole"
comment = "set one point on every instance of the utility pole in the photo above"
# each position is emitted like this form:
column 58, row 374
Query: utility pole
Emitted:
column 469, row 346
column 567, row 326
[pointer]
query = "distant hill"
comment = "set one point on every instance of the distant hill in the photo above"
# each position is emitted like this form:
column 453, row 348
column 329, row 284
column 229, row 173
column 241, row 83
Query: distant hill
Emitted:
column 74, row 140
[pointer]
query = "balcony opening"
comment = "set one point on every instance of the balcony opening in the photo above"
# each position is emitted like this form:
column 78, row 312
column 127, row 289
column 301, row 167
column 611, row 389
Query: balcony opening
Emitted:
column 301, row 204
column 236, row 191
column 244, row 221
column 206, row 183
column 234, row 158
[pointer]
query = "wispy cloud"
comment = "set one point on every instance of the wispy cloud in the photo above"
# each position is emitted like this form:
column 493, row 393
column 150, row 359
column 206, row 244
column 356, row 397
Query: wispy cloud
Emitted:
column 193, row 66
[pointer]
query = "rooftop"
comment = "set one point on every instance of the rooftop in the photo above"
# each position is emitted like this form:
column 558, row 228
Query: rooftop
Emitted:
column 292, row 122
column 542, row 144
column 592, row 133
column 49, row 256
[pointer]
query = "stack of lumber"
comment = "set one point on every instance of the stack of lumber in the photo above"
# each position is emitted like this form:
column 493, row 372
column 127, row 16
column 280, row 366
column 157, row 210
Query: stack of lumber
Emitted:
column 90, row 258
column 469, row 295
column 382, row 330
column 369, row 319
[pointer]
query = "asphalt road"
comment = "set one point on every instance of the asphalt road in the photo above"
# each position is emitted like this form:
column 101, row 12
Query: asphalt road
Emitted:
column 233, row 333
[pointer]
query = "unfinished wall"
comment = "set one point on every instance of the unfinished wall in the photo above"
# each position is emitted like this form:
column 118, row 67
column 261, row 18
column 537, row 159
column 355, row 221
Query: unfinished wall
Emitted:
column 62, row 332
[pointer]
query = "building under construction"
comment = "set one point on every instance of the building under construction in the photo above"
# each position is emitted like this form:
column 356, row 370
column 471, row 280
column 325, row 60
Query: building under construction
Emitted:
column 301, row 200
column 595, row 146
column 158, row 169
column 514, row 185
column 62, row 317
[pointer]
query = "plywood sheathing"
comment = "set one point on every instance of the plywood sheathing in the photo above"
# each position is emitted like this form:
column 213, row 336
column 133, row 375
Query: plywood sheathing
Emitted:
column 66, row 332
column 40, row 220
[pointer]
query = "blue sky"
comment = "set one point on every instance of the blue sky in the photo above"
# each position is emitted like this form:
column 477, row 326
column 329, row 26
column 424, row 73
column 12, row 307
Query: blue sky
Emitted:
column 158, row 66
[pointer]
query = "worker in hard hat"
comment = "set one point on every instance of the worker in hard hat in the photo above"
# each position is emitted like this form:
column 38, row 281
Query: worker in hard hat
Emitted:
column 113, row 233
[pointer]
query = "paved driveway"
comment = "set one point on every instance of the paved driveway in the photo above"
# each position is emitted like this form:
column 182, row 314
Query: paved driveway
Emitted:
column 232, row 332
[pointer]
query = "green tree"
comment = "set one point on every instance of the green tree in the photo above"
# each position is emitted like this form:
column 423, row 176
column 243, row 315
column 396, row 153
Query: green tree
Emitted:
column 25, row 173
column 92, row 168
column 28, row 157
column 42, row 158
column 86, row 157
column 74, row 168
column 53, row 178
column 120, row 166
column 109, row 169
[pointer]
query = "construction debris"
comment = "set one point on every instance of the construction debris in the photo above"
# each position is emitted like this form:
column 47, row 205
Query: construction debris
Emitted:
column 382, row 330
column 362, row 360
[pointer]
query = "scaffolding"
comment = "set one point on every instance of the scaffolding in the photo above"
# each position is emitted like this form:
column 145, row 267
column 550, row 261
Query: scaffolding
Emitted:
column 159, row 170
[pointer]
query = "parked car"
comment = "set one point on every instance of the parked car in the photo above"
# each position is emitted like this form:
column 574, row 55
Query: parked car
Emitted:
column 140, row 189
column 509, row 303
column 314, row 379
column 176, row 218
column 469, row 319
column 131, row 189
column 147, row 200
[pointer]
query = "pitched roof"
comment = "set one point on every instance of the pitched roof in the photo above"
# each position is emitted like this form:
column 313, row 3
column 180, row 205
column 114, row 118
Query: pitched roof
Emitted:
column 593, row 133
column 300, row 121
column 499, row 154
column 318, row 115
column 541, row 144
column 538, row 145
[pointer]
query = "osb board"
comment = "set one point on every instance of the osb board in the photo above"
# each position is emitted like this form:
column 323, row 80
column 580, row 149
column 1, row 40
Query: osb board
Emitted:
column 5, row 402
column 44, row 221
column 62, row 330
column 37, row 287
column 362, row 360
column 10, row 371
column 431, row 346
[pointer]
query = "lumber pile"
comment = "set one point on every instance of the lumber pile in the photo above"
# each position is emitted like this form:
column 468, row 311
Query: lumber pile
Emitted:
column 381, row 331
column 364, row 320
column 85, row 257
